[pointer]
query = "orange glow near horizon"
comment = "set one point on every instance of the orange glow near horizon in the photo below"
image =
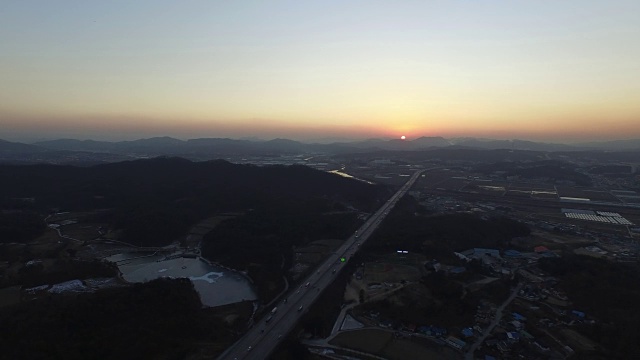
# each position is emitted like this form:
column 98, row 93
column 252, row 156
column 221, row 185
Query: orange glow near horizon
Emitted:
column 299, row 70
column 93, row 126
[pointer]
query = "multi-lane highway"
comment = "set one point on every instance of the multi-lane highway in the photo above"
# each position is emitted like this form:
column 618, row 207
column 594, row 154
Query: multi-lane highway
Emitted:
column 267, row 333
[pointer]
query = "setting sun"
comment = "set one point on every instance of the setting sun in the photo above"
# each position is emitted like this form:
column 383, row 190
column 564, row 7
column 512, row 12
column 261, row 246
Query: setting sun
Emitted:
column 402, row 137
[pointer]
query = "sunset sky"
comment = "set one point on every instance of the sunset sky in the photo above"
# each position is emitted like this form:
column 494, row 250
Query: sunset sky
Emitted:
column 560, row 71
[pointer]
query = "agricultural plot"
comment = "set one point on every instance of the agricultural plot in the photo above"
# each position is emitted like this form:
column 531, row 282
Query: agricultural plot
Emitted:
column 418, row 348
column 600, row 196
column 82, row 232
column 442, row 179
column 486, row 190
column 627, row 197
column 577, row 340
column 570, row 191
column 453, row 184
column 518, row 194
column 544, row 196
column 382, row 343
column 368, row 340
column 533, row 187
column 389, row 273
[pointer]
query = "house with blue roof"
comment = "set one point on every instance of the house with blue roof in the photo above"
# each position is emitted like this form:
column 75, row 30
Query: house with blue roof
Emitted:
column 513, row 336
column 578, row 314
column 512, row 253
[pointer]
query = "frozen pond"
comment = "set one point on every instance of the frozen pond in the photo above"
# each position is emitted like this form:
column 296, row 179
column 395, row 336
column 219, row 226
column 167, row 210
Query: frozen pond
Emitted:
column 216, row 286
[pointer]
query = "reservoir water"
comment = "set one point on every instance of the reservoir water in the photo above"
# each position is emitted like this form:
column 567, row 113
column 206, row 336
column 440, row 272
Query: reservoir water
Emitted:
column 216, row 285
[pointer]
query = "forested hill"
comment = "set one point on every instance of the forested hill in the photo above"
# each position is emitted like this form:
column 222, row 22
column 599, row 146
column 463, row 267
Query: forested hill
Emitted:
column 153, row 201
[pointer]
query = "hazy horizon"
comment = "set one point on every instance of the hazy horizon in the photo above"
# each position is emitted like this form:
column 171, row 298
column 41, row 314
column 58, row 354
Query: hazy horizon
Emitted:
column 320, row 140
column 541, row 71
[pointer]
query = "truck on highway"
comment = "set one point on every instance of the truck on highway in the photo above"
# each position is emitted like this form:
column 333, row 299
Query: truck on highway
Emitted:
column 274, row 310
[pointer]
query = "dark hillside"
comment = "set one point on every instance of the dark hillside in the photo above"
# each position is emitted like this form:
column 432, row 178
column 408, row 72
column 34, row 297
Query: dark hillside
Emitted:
column 608, row 292
column 161, row 319
column 154, row 201
column 439, row 236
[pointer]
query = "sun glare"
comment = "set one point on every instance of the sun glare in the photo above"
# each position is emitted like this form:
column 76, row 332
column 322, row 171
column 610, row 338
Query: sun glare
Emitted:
column 403, row 137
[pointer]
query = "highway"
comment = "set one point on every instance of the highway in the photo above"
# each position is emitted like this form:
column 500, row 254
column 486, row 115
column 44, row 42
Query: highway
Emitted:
column 264, row 337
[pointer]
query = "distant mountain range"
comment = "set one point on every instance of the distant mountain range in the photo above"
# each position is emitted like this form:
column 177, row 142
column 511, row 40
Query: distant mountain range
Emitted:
column 285, row 145
column 212, row 147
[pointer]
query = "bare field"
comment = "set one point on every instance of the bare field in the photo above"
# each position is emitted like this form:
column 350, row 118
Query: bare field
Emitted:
column 331, row 243
column 570, row 191
column 442, row 179
column 544, row 196
column 81, row 231
column 387, row 272
column 367, row 340
column 601, row 196
column 531, row 187
column 206, row 225
column 401, row 349
column 577, row 340
column 382, row 343
column 49, row 236
column 10, row 296
column 547, row 238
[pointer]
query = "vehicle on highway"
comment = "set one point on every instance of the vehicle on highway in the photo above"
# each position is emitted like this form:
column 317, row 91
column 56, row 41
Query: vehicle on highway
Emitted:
column 249, row 348
column 300, row 308
column 333, row 271
column 307, row 284
column 274, row 310
column 269, row 318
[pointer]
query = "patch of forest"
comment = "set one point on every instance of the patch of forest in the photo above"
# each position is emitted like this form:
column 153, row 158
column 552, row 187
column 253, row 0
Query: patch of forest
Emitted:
column 609, row 292
column 161, row 319
column 438, row 236
column 20, row 226
column 611, row 169
column 154, row 201
column 57, row 271
column 263, row 239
